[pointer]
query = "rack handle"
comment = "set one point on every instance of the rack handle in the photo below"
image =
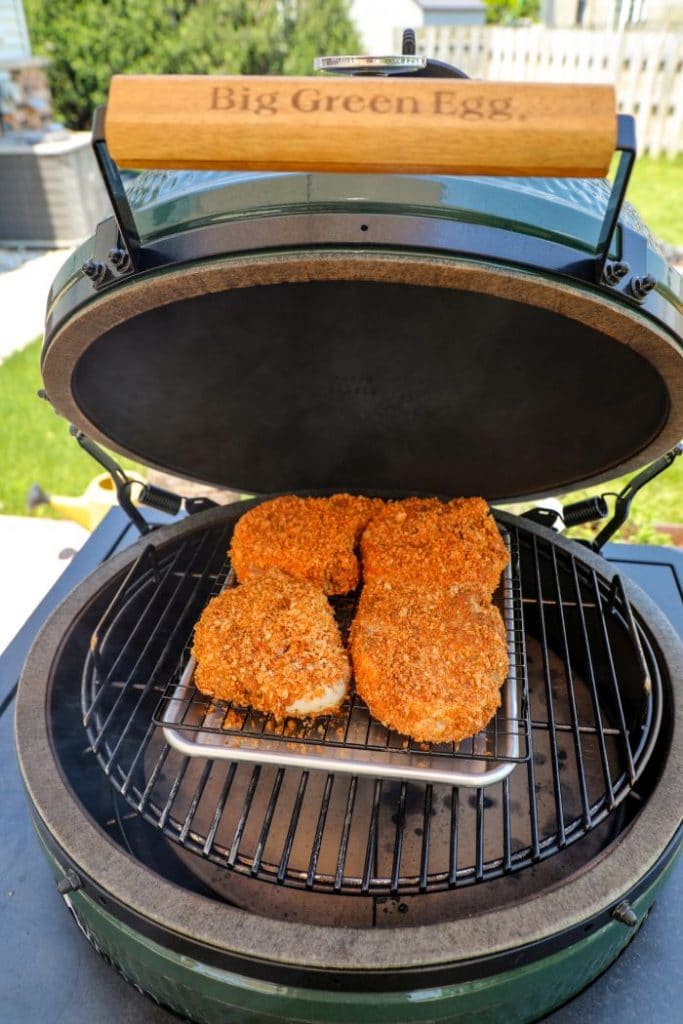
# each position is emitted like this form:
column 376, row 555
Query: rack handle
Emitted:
column 377, row 125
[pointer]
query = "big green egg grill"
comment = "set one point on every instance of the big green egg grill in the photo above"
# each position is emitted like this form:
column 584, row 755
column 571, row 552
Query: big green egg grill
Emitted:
column 308, row 331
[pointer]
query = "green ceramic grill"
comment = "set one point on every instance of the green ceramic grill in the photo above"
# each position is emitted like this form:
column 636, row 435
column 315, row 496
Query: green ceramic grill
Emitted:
column 390, row 333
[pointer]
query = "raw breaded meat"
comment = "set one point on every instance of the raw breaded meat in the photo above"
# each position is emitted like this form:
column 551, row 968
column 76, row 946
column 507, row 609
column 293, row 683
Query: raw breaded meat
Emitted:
column 429, row 662
column 272, row 643
column 312, row 539
column 424, row 540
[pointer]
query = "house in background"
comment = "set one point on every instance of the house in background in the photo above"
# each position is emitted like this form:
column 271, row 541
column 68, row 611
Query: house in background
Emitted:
column 378, row 20
column 613, row 14
column 51, row 192
column 447, row 12
column 24, row 93
column 14, row 44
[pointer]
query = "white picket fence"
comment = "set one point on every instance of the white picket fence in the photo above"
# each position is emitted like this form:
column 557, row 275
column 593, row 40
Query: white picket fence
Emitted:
column 646, row 68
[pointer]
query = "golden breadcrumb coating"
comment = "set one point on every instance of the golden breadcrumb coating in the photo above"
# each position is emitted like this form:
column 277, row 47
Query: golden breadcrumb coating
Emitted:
column 424, row 540
column 312, row 539
column 272, row 643
column 429, row 662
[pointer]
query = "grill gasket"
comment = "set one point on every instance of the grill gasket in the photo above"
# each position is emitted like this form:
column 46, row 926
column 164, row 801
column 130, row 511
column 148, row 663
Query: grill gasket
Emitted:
column 353, row 741
column 169, row 793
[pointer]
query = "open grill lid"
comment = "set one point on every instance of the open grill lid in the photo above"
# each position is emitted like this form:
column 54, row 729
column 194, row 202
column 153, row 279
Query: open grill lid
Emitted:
column 364, row 330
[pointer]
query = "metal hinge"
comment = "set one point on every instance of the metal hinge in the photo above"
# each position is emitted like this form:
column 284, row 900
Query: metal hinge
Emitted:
column 153, row 497
column 623, row 499
column 593, row 509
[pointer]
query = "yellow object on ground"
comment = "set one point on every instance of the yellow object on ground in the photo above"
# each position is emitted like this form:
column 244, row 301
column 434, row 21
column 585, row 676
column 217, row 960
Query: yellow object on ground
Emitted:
column 91, row 507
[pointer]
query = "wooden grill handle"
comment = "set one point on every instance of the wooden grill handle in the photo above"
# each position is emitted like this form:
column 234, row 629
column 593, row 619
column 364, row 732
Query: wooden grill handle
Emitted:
column 372, row 125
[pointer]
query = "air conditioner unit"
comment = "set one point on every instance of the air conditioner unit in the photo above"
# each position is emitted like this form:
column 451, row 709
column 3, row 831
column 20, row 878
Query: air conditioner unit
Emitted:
column 51, row 193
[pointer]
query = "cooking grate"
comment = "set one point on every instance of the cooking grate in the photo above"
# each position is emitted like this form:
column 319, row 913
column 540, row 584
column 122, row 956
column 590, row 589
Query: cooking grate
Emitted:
column 352, row 740
column 594, row 706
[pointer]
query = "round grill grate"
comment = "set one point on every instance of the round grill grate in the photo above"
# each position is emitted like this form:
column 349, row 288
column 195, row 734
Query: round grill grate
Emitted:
column 594, row 708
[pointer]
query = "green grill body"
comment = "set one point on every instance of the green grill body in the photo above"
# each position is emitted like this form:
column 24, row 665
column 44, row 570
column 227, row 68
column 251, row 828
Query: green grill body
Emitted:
column 417, row 334
column 208, row 995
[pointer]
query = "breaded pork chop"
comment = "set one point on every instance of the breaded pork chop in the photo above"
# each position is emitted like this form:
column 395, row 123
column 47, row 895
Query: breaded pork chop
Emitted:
column 312, row 539
column 272, row 643
column 429, row 663
column 427, row 541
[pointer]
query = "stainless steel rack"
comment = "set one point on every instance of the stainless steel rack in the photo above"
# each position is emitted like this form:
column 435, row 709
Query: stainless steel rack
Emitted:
column 352, row 741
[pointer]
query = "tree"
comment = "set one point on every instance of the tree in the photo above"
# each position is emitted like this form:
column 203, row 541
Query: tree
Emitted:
column 507, row 12
column 313, row 29
column 88, row 41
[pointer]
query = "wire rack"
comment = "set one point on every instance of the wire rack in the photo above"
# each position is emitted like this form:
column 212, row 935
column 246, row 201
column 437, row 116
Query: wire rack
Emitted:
column 353, row 741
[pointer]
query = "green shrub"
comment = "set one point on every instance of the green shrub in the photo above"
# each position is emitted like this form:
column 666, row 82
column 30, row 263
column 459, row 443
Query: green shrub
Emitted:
column 507, row 12
column 88, row 41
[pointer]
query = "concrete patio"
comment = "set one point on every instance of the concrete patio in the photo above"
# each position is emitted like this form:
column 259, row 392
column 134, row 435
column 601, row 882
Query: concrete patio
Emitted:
column 25, row 279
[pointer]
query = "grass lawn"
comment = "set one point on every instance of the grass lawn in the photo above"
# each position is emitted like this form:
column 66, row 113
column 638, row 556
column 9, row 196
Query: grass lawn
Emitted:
column 656, row 191
column 660, row 502
column 35, row 446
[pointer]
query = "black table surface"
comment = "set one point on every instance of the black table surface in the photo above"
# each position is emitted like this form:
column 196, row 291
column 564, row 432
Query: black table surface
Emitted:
column 50, row 974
